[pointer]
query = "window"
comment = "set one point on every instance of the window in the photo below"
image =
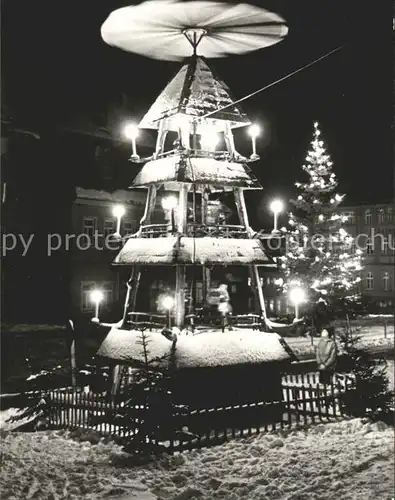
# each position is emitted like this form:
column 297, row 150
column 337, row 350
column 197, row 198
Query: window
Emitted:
column 390, row 215
column 86, row 289
column 380, row 215
column 369, row 247
column 129, row 227
column 279, row 306
column 386, row 281
column 109, row 227
column 271, row 305
column 368, row 216
column 369, row 281
column 350, row 217
column 199, row 292
column 233, row 288
column 384, row 245
column 90, row 225
column 107, row 288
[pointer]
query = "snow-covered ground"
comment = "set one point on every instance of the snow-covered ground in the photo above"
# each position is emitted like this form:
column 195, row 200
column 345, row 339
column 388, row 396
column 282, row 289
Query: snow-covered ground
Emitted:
column 346, row 460
column 371, row 337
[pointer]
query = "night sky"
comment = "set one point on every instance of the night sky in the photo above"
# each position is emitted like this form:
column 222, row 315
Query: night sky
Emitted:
column 57, row 69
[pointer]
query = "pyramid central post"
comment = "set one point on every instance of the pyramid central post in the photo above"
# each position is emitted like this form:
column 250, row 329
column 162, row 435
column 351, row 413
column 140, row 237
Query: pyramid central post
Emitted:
column 194, row 36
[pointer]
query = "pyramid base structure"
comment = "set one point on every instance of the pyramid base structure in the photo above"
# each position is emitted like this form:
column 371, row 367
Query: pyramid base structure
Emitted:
column 210, row 368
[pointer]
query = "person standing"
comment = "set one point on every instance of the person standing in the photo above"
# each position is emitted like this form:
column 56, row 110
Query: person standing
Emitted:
column 326, row 355
column 224, row 306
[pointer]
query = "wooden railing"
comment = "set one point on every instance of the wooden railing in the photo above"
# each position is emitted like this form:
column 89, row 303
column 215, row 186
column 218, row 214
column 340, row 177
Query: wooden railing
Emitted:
column 195, row 230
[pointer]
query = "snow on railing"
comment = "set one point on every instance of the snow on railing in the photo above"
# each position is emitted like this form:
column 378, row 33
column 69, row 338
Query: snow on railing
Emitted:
column 196, row 230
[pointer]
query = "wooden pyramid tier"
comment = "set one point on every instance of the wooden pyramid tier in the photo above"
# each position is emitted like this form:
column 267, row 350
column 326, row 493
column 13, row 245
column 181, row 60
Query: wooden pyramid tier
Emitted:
column 187, row 251
column 195, row 91
column 197, row 170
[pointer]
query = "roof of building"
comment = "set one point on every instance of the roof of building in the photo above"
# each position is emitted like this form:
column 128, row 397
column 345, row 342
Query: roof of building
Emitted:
column 195, row 91
column 210, row 348
column 118, row 196
column 186, row 250
column 175, row 168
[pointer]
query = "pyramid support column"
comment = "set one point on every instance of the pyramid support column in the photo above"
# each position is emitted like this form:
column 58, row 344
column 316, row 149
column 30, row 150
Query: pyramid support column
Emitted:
column 160, row 141
column 149, row 206
column 206, row 278
column 241, row 208
column 229, row 140
column 131, row 294
column 180, row 268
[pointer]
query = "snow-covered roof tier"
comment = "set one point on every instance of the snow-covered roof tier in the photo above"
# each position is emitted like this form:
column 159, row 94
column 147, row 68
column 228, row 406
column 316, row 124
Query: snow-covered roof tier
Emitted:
column 186, row 250
column 209, row 349
column 195, row 91
column 176, row 168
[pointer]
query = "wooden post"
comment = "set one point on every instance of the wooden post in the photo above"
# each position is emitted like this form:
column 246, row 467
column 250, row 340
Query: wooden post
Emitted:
column 180, row 295
column 149, row 206
column 182, row 209
column 73, row 360
column 256, row 283
column 160, row 141
column 241, row 208
column 206, row 277
column 131, row 294
column 115, row 379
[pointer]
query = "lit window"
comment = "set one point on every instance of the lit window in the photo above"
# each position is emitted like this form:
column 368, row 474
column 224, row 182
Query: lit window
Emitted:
column 386, row 281
column 390, row 215
column 129, row 227
column 106, row 287
column 384, row 245
column 109, row 227
column 380, row 216
column 86, row 289
column 271, row 305
column 233, row 289
column 279, row 305
column 368, row 216
column 369, row 247
column 369, row 281
column 90, row 225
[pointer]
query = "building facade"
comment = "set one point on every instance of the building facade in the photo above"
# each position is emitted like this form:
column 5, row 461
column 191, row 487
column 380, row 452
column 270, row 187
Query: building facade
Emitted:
column 373, row 227
column 93, row 250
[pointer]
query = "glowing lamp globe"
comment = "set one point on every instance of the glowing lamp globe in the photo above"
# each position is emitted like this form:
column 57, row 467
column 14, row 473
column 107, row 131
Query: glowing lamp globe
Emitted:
column 168, row 303
column 254, row 130
column 96, row 296
column 276, row 206
column 297, row 295
column 118, row 211
column 131, row 131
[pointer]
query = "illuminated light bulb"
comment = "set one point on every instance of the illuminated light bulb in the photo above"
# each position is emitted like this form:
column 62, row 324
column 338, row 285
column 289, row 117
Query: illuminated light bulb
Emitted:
column 131, row 132
column 254, row 131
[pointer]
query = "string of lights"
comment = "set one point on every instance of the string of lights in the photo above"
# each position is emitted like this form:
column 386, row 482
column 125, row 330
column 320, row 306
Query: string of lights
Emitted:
column 275, row 82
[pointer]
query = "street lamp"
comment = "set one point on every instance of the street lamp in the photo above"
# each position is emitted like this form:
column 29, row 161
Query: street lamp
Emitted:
column 168, row 304
column 169, row 203
column 276, row 206
column 96, row 297
column 254, row 131
column 118, row 211
column 131, row 132
column 297, row 296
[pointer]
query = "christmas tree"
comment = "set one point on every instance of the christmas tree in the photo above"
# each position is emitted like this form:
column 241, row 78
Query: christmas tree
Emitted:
column 370, row 395
column 320, row 255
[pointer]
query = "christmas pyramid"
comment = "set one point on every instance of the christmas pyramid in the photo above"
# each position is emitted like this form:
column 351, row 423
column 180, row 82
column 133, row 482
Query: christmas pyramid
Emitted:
column 195, row 91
